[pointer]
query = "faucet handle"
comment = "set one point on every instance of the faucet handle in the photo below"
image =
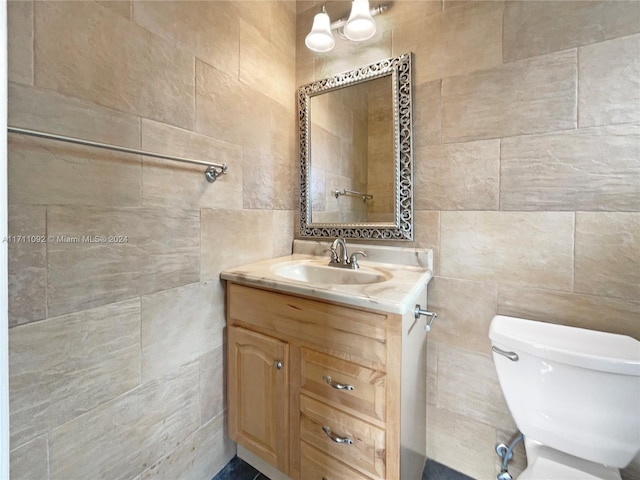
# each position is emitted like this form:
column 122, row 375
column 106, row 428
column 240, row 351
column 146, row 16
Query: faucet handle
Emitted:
column 334, row 254
column 353, row 260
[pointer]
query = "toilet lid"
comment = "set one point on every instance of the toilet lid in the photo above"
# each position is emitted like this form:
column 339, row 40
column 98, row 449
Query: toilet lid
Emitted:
column 544, row 468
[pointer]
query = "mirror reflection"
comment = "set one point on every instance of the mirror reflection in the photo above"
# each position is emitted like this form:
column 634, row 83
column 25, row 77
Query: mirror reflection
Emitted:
column 356, row 158
column 352, row 149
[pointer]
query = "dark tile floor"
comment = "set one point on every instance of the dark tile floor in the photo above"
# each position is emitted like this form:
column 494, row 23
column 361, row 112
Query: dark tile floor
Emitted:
column 437, row 471
column 237, row 469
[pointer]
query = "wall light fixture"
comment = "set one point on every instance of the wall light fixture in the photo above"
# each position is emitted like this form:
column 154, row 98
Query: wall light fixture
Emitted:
column 358, row 27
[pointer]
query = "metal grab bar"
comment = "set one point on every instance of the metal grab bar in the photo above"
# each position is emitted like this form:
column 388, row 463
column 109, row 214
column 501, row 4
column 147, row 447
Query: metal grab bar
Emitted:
column 214, row 170
column 365, row 196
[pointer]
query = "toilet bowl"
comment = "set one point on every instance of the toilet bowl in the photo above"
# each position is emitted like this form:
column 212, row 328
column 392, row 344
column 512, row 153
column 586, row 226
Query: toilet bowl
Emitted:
column 573, row 393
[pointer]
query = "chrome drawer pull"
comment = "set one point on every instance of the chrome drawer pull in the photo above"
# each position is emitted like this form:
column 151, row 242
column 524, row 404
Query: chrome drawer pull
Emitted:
column 337, row 386
column 513, row 356
column 335, row 438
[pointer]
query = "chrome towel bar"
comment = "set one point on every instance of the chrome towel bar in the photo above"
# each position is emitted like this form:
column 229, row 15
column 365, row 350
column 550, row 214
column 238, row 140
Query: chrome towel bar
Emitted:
column 365, row 196
column 213, row 171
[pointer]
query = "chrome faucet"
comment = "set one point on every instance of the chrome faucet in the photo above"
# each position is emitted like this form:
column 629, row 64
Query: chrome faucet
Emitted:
column 342, row 259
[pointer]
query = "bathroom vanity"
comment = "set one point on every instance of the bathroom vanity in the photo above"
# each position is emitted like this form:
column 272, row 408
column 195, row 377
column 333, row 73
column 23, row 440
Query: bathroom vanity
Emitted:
column 327, row 380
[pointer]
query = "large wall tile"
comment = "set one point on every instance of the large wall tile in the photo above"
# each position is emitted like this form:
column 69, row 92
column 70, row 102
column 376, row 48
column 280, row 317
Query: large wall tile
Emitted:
column 616, row 315
column 283, row 232
column 465, row 310
column 283, row 28
column 161, row 250
column 536, row 27
column 456, row 42
column 213, row 374
column 30, row 461
column 201, row 456
column 325, row 150
column 65, row 366
column 284, row 130
column 402, row 12
column 121, row 7
column 208, row 30
column 246, row 233
column 27, row 264
column 264, row 67
column 426, row 235
column 20, row 41
column 427, row 114
column 268, row 181
column 145, row 75
column 460, row 443
column 528, row 96
column 123, row 437
column 480, row 400
column 259, row 15
column 230, row 110
column 71, row 175
column 178, row 326
column 432, row 372
column 607, row 260
column 36, row 109
column 181, row 185
column 534, row 249
column 584, row 169
column 609, row 82
column 461, row 176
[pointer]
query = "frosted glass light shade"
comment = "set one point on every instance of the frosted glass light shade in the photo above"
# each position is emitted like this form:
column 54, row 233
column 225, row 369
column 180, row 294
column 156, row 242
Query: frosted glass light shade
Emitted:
column 360, row 25
column 320, row 38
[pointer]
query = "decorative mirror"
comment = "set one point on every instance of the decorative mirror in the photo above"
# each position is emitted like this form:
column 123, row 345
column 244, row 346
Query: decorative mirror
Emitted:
column 356, row 154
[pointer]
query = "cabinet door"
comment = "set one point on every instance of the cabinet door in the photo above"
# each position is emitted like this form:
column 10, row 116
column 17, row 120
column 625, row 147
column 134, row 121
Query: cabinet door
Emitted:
column 258, row 396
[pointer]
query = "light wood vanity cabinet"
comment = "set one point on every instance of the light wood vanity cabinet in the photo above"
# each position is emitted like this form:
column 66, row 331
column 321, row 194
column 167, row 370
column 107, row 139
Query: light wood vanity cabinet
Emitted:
column 259, row 383
column 332, row 411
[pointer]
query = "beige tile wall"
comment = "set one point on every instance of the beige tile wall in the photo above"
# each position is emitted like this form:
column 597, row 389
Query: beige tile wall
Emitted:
column 527, row 167
column 116, row 350
column 527, row 176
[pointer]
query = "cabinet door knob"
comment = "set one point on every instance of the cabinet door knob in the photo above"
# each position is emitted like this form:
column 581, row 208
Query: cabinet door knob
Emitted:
column 278, row 364
column 337, row 386
column 336, row 438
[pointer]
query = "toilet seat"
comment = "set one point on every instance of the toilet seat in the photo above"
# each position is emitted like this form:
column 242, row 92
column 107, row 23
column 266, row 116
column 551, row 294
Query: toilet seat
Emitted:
column 550, row 464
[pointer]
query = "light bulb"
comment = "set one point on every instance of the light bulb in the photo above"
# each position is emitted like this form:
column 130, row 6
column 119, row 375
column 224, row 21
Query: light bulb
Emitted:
column 360, row 25
column 320, row 38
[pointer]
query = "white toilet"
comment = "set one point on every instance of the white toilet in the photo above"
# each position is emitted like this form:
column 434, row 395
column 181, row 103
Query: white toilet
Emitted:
column 573, row 393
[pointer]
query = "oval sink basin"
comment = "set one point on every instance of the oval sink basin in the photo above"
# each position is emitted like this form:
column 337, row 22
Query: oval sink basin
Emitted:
column 317, row 273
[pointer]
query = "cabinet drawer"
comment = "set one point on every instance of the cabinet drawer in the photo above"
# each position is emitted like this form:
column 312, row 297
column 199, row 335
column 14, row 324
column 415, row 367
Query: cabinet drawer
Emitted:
column 315, row 465
column 351, row 333
column 367, row 452
column 345, row 385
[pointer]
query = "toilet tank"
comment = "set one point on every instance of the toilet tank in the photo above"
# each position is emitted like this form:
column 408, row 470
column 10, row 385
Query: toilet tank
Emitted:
column 575, row 390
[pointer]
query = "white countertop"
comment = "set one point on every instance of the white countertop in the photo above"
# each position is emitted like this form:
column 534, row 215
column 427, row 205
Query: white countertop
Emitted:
column 396, row 295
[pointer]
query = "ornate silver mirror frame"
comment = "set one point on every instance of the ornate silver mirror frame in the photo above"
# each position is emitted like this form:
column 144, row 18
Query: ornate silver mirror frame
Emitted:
column 399, row 68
